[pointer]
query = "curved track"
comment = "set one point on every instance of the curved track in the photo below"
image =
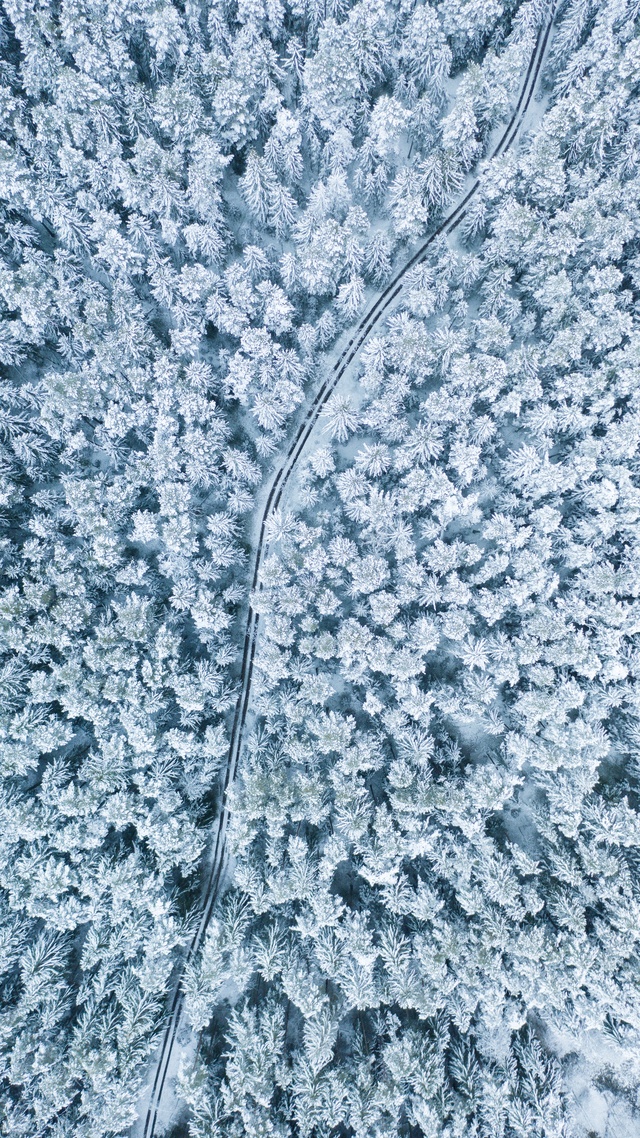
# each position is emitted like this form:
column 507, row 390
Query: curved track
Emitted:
column 373, row 315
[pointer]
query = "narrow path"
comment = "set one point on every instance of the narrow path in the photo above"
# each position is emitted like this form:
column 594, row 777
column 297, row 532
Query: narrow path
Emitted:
column 166, row 1058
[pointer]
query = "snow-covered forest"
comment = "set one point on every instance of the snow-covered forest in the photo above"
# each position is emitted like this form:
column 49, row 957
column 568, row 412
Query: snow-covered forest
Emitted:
column 320, row 557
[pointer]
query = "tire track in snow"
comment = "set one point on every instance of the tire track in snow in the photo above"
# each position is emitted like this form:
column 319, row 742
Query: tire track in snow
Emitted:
column 360, row 334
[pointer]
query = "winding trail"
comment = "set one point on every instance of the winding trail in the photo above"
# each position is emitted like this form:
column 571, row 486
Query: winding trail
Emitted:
column 280, row 479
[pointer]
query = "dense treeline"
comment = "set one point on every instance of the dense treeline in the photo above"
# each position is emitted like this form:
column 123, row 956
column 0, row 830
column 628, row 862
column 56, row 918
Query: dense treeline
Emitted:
column 436, row 824
column 435, row 831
